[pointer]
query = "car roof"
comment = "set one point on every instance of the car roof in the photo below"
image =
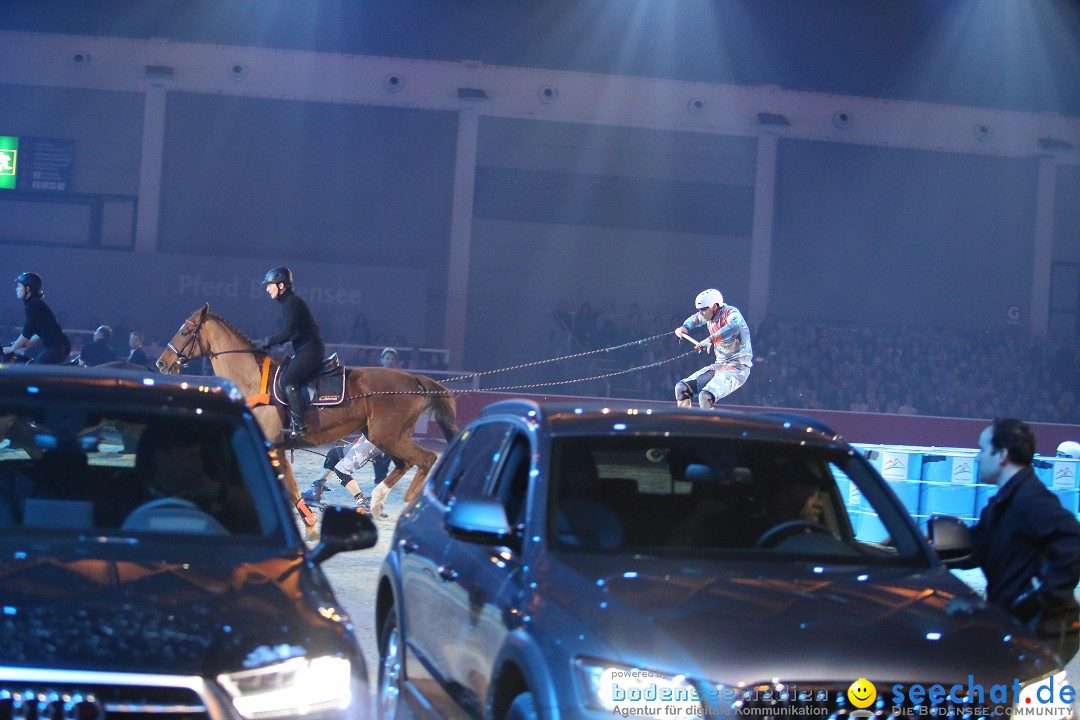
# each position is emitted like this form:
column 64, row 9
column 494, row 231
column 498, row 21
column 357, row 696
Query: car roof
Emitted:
column 117, row 385
column 592, row 417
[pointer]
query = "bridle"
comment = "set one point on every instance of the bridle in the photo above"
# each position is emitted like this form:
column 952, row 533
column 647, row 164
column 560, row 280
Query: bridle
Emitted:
column 183, row 359
column 194, row 342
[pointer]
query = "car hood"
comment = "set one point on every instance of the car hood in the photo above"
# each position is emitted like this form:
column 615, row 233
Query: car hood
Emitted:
column 746, row 622
column 180, row 618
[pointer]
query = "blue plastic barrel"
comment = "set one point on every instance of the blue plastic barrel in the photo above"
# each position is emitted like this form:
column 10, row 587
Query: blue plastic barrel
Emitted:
column 1044, row 470
column 946, row 498
column 950, row 466
column 867, row 526
column 899, row 463
column 1065, row 473
column 1069, row 497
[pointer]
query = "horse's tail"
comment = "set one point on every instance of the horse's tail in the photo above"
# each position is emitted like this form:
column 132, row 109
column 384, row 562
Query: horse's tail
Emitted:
column 441, row 402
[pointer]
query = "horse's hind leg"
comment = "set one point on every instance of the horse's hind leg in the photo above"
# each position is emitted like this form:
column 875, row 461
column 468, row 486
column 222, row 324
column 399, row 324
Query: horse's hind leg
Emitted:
column 412, row 454
column 423, row 459
column 419, row 479
column 380, row 491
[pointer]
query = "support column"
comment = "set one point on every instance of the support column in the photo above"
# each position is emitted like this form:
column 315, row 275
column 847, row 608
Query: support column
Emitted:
column 153, row 146
column 457, row 281
column 762, row 237
column 1043, row 247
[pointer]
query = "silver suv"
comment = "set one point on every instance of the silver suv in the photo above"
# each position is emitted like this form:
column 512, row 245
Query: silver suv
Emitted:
column 573, row 560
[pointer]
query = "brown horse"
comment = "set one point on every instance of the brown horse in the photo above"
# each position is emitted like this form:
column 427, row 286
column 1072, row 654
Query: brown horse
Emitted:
column 382, row 403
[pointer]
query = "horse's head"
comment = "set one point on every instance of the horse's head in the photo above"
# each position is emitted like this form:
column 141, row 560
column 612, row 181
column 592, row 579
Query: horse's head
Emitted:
column 186, row 345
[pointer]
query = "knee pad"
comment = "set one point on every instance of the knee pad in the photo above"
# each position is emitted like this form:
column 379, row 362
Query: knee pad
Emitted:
column 685, row 390
column 705, row 400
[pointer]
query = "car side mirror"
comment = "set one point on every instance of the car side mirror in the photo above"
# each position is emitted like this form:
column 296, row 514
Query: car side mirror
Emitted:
column 479, row 520
column 344, row 529
column 950, row 538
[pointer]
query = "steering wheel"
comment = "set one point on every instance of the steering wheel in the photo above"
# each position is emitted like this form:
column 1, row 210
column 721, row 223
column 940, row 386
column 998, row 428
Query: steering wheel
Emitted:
column 774, row 535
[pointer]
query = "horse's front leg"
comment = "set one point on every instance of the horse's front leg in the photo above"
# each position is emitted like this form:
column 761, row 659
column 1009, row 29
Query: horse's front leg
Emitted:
column 289, row 480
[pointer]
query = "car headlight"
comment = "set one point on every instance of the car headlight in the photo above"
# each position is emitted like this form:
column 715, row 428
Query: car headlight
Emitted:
column 1043, row 698
column 294, row 687
column 604, row 685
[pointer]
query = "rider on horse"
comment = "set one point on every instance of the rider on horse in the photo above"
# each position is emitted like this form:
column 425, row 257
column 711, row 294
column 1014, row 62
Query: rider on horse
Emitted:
column 307, row 343
column 41, row 325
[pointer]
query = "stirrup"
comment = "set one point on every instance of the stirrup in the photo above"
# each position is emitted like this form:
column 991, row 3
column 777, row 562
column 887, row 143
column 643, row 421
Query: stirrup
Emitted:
column 297, row 429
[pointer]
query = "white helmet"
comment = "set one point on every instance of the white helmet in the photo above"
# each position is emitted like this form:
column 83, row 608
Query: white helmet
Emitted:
column 1069, row 449
column 708, row 298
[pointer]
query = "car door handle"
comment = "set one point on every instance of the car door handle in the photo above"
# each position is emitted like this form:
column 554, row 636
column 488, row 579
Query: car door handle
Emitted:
column 447, row 574
column 408, row 546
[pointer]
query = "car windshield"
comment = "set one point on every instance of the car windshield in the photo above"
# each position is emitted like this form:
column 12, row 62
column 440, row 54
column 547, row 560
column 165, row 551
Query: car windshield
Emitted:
column 692, row 495
column 98, row 471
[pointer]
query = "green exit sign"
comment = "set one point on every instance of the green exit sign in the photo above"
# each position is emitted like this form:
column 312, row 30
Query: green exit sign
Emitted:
column 9, row 156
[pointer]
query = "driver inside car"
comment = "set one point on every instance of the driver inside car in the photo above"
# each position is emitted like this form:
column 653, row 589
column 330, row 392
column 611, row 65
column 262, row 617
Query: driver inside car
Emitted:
column 794, row 506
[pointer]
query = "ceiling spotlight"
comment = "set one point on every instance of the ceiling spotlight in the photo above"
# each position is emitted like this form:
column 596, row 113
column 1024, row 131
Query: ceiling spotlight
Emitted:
column 237, row 71
column 696, row 106
column 841, row 119
column 982, row 132
column 547, row 94
column 393, row 82
column 79, row 59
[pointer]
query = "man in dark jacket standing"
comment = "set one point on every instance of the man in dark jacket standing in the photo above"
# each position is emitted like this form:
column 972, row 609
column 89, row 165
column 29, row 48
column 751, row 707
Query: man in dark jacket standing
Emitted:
column 308, row 349
column 1026, row 543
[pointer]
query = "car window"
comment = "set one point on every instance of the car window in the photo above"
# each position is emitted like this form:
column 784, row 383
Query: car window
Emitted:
column 512, row 483
column 469, row 471
column 67, row 468
column 684, row 495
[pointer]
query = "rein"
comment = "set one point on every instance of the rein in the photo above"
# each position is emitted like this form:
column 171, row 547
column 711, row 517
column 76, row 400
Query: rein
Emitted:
column 193, row 342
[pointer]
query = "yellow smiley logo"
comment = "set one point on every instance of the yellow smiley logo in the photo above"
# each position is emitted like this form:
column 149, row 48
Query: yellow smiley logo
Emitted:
column 862, row 693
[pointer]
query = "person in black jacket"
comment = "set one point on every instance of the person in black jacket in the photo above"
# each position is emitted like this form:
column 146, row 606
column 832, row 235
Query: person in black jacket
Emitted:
column 1026, row 543
column 308, row 349
column 41, row 326
column 99, row 351
column 137, row 356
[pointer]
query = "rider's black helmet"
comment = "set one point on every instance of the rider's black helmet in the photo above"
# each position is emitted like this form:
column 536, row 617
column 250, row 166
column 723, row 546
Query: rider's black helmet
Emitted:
column 30, row 280
column 278, row 275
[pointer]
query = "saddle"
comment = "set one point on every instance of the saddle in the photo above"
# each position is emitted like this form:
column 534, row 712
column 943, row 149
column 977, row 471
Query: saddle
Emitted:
column 326, row 388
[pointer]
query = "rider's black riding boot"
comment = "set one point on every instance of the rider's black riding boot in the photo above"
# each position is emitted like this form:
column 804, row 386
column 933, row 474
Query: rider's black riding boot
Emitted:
column 296, row 411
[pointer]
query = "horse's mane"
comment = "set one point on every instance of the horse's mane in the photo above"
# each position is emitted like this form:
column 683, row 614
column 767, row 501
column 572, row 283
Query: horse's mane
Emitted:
column 229, row 326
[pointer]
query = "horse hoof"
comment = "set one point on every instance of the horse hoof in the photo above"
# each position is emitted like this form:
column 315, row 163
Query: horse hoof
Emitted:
column 378, row 496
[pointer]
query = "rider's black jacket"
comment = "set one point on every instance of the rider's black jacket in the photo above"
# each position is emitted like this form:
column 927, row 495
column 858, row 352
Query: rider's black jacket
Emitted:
column 40, row 321
column 300, row 326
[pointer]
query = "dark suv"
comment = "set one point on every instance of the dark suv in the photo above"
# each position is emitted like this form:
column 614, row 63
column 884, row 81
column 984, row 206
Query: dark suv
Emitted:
column 150, row 562
column 581, row 561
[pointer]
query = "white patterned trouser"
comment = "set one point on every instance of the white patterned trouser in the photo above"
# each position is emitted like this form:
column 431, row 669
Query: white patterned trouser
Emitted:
column 359, row 454
column 726, row 379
